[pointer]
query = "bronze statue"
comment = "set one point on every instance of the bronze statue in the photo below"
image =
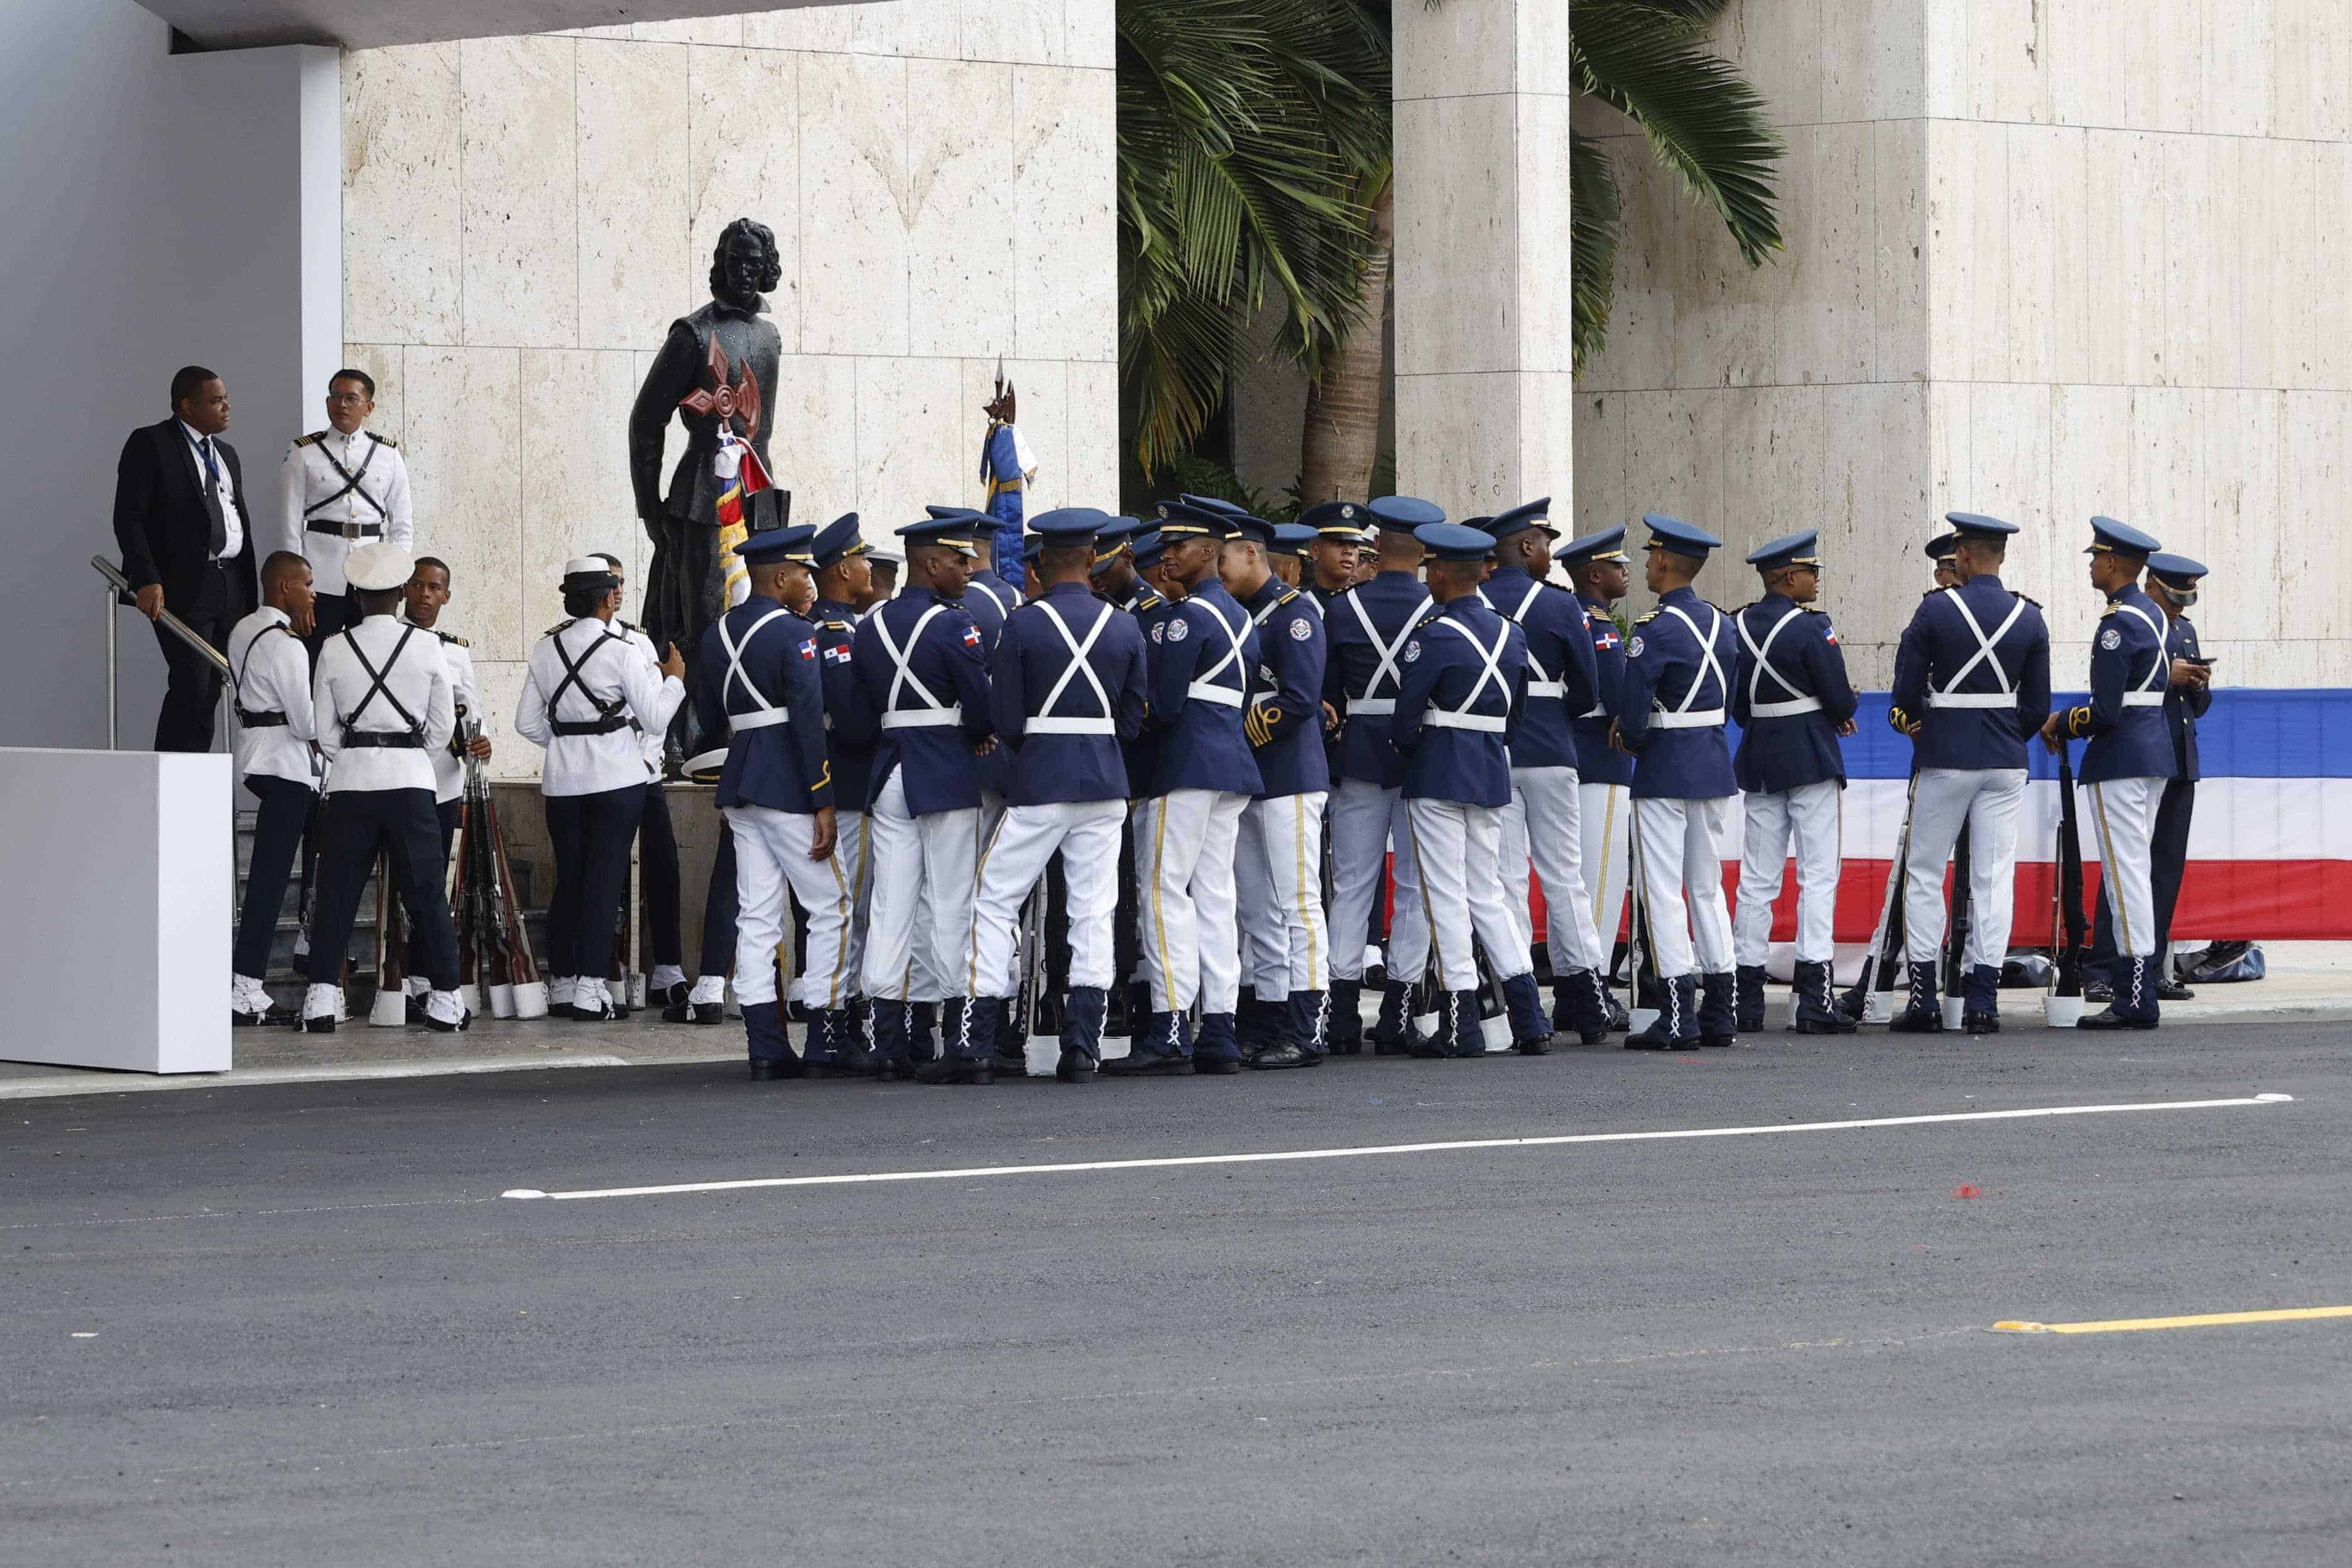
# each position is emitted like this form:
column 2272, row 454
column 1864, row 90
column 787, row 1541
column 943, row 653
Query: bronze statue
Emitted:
column 714, row 372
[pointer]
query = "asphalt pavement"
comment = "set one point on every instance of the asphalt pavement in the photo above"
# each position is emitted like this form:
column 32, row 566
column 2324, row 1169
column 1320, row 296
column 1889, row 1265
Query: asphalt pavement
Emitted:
column 300, row 1324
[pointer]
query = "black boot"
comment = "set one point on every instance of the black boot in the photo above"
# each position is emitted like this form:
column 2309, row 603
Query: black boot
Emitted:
column 1455, row 1008
column 1980, row 1010
column 1530, row 1030
column 1345, row 1034
column 1921, row 1015
column 676, row 1008
column 1155, row 1050
column 1010, row 1047
column 1676, row 1028
column 891, row 1062
column 1082, row 1031
column 968, row 1042
column 1392, row 1032
column 1310, row 1024
column 1580, row 1005
column 772, row 1054
column 2135, row 1007
column 1818, row 1012
column 1719, row 1013
column 1219, row 1050
column 1749, row 1019
column 923, row 1020
column 817, row 1046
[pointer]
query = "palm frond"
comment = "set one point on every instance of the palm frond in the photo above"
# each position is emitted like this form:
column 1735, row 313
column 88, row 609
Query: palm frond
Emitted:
column 1702, row 118
column 1594, row 207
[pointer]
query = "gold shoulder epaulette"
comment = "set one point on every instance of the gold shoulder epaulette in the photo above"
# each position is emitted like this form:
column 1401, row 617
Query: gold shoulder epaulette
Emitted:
column 2035, row 603
column 452, row 638
column 557, row 627
column 385, row 439
column 314, row 436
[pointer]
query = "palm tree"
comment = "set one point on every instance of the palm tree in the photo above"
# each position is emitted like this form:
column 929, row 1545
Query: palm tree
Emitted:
column 1648, row 60
column 1245, row 131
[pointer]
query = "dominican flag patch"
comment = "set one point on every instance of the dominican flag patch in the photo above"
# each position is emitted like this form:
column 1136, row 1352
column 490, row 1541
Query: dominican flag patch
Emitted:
column 1605, row 636
column 971, row 635
column 1829, row 634
column 808, row 649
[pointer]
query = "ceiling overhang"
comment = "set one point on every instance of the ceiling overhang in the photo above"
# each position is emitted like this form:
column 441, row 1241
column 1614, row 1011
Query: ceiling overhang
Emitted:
column 371, row 23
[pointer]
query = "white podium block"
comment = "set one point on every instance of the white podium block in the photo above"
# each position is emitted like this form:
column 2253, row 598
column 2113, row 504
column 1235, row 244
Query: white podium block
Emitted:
column 121, row 875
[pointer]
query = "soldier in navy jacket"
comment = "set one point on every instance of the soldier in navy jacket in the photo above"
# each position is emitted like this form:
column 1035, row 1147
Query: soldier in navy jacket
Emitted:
column 2126, row 764
column 1601, row 575
column 759, row 686
column 1971, row 686
column 921, row 664
column 1068, row 687
column 1792, row 700
column 1465, row 689
column 988, row 598
column 2172, row 584
column 840, row 553
column 1367, row 627
column 1204, row 660
column 1278, row 859
column 1678, row 665
column 1543, row 823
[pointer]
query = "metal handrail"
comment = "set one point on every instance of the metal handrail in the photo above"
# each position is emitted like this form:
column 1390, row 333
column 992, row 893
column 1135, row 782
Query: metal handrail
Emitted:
column 118, row 591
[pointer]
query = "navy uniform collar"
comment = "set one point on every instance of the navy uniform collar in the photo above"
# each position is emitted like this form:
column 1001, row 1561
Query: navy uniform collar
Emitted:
column 1510, row 575
column 749, row 599
column 840, row 610
column 1591, row 603
column 1069, row 591
column 1273, row 588
column 1685, row 595
column 940, row 598
column 1776, row 601
column 1991, row 577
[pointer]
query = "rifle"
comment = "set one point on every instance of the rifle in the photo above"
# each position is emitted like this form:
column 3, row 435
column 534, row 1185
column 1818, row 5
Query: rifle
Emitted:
column 391, row 1008
column 487, row 912
column 2069, row 930
column 1955, row 939
column 1886, row 941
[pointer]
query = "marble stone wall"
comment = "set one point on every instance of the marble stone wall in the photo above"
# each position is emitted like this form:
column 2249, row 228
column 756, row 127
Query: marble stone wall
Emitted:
column 2041, row 264
column 1482, row 283
column 523, row 217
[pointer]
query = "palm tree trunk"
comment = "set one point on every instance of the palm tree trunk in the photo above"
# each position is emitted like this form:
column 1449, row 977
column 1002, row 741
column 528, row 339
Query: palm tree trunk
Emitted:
column 1342, row 438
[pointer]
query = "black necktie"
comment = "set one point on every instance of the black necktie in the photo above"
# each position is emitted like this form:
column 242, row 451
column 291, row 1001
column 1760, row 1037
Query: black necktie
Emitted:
column 213, row 499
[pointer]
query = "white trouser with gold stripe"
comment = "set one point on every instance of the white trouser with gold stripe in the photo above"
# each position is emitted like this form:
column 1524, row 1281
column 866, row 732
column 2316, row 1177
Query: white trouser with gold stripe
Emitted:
column 1085, row 833
column 920, row 926
column 1543, row 827
column 1278, row 881
column 1368, row 823
column 1988, row 800
column 1605, row 827
column 1456, row 852
column 1809, row 817
column 772, row 859
column 1681, row 858
column 2123, row 815
column 1185, row 845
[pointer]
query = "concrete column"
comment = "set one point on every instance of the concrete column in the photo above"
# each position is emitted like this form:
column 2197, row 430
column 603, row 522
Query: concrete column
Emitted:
column 2038, row 265
column 1485, row 398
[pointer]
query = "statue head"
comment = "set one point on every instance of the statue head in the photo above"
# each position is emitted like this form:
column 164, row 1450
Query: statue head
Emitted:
column 744, row 264
column 999, row 407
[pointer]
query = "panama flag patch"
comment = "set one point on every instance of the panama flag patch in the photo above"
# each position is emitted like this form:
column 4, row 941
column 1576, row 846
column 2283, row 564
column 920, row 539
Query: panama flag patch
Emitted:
column 838, row 655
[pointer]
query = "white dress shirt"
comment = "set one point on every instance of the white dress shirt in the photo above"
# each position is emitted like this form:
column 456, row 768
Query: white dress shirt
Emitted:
column 419, row 678
column 591, row 764
column 654, row 739
column 232, row 523
column 313, row 493
column 449, row 766
column 272, row 675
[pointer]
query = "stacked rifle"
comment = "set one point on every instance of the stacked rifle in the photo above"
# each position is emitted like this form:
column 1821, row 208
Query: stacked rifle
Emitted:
column 494, row 957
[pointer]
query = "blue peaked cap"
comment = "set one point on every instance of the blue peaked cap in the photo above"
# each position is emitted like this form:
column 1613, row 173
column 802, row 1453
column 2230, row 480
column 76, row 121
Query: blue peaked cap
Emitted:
column 1681, row 538
column 2122, row 539
column 780, row 544
column 1454, row 541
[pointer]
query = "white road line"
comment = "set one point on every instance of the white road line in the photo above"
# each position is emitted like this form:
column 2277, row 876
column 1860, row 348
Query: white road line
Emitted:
column 1454, row 1145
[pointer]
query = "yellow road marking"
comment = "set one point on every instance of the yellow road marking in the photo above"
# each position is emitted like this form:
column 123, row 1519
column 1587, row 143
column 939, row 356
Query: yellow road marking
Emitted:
column 2204, row 1320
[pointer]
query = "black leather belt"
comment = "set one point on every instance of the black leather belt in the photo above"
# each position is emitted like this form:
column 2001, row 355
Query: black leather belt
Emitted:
column 367, row 530
column 603, row 726
column 259, row 720
column 384, row 740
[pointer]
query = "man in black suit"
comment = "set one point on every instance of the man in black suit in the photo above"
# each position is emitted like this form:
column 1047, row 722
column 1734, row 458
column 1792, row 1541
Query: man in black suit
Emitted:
column 187, row 545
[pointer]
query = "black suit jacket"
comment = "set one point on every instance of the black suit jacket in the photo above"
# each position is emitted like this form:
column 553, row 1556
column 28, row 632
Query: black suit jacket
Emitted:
column 159, row 518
